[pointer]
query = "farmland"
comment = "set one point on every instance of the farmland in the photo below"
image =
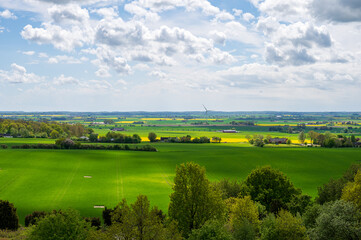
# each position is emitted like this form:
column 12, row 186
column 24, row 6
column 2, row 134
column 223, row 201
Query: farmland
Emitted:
column 53, row 179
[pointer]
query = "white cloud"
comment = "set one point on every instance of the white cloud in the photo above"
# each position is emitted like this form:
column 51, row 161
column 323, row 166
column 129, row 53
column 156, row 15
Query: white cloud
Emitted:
column 158, row 74
column 337, row 10
column 71, row 14
column 7, row 14
column 62, row 80
column 18, row 74
column 62, row 39
column 103, row 72
column 64, row 59
column 29, row 53
column 248, row 17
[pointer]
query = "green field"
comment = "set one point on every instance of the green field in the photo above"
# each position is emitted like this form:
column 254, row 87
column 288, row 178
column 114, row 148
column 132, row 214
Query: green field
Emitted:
column 54, row 179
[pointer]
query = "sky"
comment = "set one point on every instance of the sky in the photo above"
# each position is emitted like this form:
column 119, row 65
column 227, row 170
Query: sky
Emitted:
column 175, row 55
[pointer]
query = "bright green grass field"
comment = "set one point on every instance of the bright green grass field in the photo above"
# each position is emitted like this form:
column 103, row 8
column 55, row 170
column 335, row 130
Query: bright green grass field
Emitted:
column 54, row 179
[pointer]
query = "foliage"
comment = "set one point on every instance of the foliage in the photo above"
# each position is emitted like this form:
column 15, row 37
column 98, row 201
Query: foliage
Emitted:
column 270, row 187
column 35, row 216
column 152, row 137
column 138, row 221
column 228, row 188
column 9, row 219
column 120, row 138
column 352, row 191
column 60, row 225
column 211, row 230
column 310, row 215
column 283, row 227
column 243, row 217
column 332, row 190
column 302, row 137
column 337, row 220
column 194, row 200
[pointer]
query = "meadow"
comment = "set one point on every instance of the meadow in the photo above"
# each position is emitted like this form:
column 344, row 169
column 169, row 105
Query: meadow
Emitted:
column 54, row 179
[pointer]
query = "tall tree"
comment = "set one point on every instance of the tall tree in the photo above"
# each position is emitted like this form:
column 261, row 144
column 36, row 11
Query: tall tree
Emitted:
column 302, row 137
column 152, row 137
column 352, row 191
column 194, row 200
column 270, row 187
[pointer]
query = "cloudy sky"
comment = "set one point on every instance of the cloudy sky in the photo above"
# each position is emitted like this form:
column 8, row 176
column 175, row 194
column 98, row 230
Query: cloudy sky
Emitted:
column 156, row 55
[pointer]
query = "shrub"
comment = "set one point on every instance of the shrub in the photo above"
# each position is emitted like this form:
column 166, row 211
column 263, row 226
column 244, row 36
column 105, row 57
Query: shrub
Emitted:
column 94, row 221
column 32, row 218
column 60, row 225
column 8, row 218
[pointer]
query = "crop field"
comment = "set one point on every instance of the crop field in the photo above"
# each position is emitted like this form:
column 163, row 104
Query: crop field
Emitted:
column 82, row 179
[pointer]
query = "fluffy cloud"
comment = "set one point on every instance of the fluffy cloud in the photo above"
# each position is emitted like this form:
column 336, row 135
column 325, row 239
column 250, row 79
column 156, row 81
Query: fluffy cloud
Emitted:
column 18, row 74
column 62, row 39
column 7, row 14
column 62, row 80
column 71, row 14
column 337, row 10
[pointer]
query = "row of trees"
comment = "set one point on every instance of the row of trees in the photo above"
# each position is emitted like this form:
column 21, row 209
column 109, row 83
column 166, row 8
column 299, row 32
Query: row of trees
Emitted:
column 266, row 206
column 32, row 129
column 69, row 144
column 328, row 139
column 185, row 139
column 113, row 137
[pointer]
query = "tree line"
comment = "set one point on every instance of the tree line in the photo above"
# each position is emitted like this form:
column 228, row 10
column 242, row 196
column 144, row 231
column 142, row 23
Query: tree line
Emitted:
column 113, row 137
column 266, row 206
column 45, row 129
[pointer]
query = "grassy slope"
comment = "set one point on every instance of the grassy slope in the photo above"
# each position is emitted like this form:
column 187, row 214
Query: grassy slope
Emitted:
column 53, row 179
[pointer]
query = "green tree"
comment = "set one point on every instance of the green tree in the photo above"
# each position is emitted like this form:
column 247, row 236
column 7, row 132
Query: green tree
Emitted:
column 9, row 219
column 332, row 190
column 352, row 191
column 139, row 221
column 270, row 187
column 211, row 230
column 152, row 137
column 302, row 137
column 54, row 134
column 93, row 137
column 312, row 135
column 61, row 225
column 228, row 188
column 194, row 200
column 283, row 227
column 337, row 220
column 243, row 217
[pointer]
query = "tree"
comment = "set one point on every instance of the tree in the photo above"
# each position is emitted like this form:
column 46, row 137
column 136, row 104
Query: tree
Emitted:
column 352, row 191
column 54, row 134
column 332, row 190
column 61, row 225
column 302, row 137
column 211, row 230
column 139, row 221
column 9, row 219
column 337, row 220
column 270, row 187
column 194, row 200
column 283, row 227
column 243, row 217
column 93, row 137
column 152, row 137
column 228, row 188
column 312, row 135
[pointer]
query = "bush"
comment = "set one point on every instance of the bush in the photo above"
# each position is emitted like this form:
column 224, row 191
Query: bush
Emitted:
column 60, row 225
column 3, row 146
column 32, row 218
column 94, row 221
column 211, row 230
column 9, row 220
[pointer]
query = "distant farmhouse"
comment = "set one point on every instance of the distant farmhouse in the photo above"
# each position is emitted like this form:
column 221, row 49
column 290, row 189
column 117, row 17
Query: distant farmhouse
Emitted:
column 118, row 129
column 278, row 140
column 230, row 131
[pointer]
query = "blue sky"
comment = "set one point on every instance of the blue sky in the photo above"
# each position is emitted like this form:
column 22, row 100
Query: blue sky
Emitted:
column 175, row 55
